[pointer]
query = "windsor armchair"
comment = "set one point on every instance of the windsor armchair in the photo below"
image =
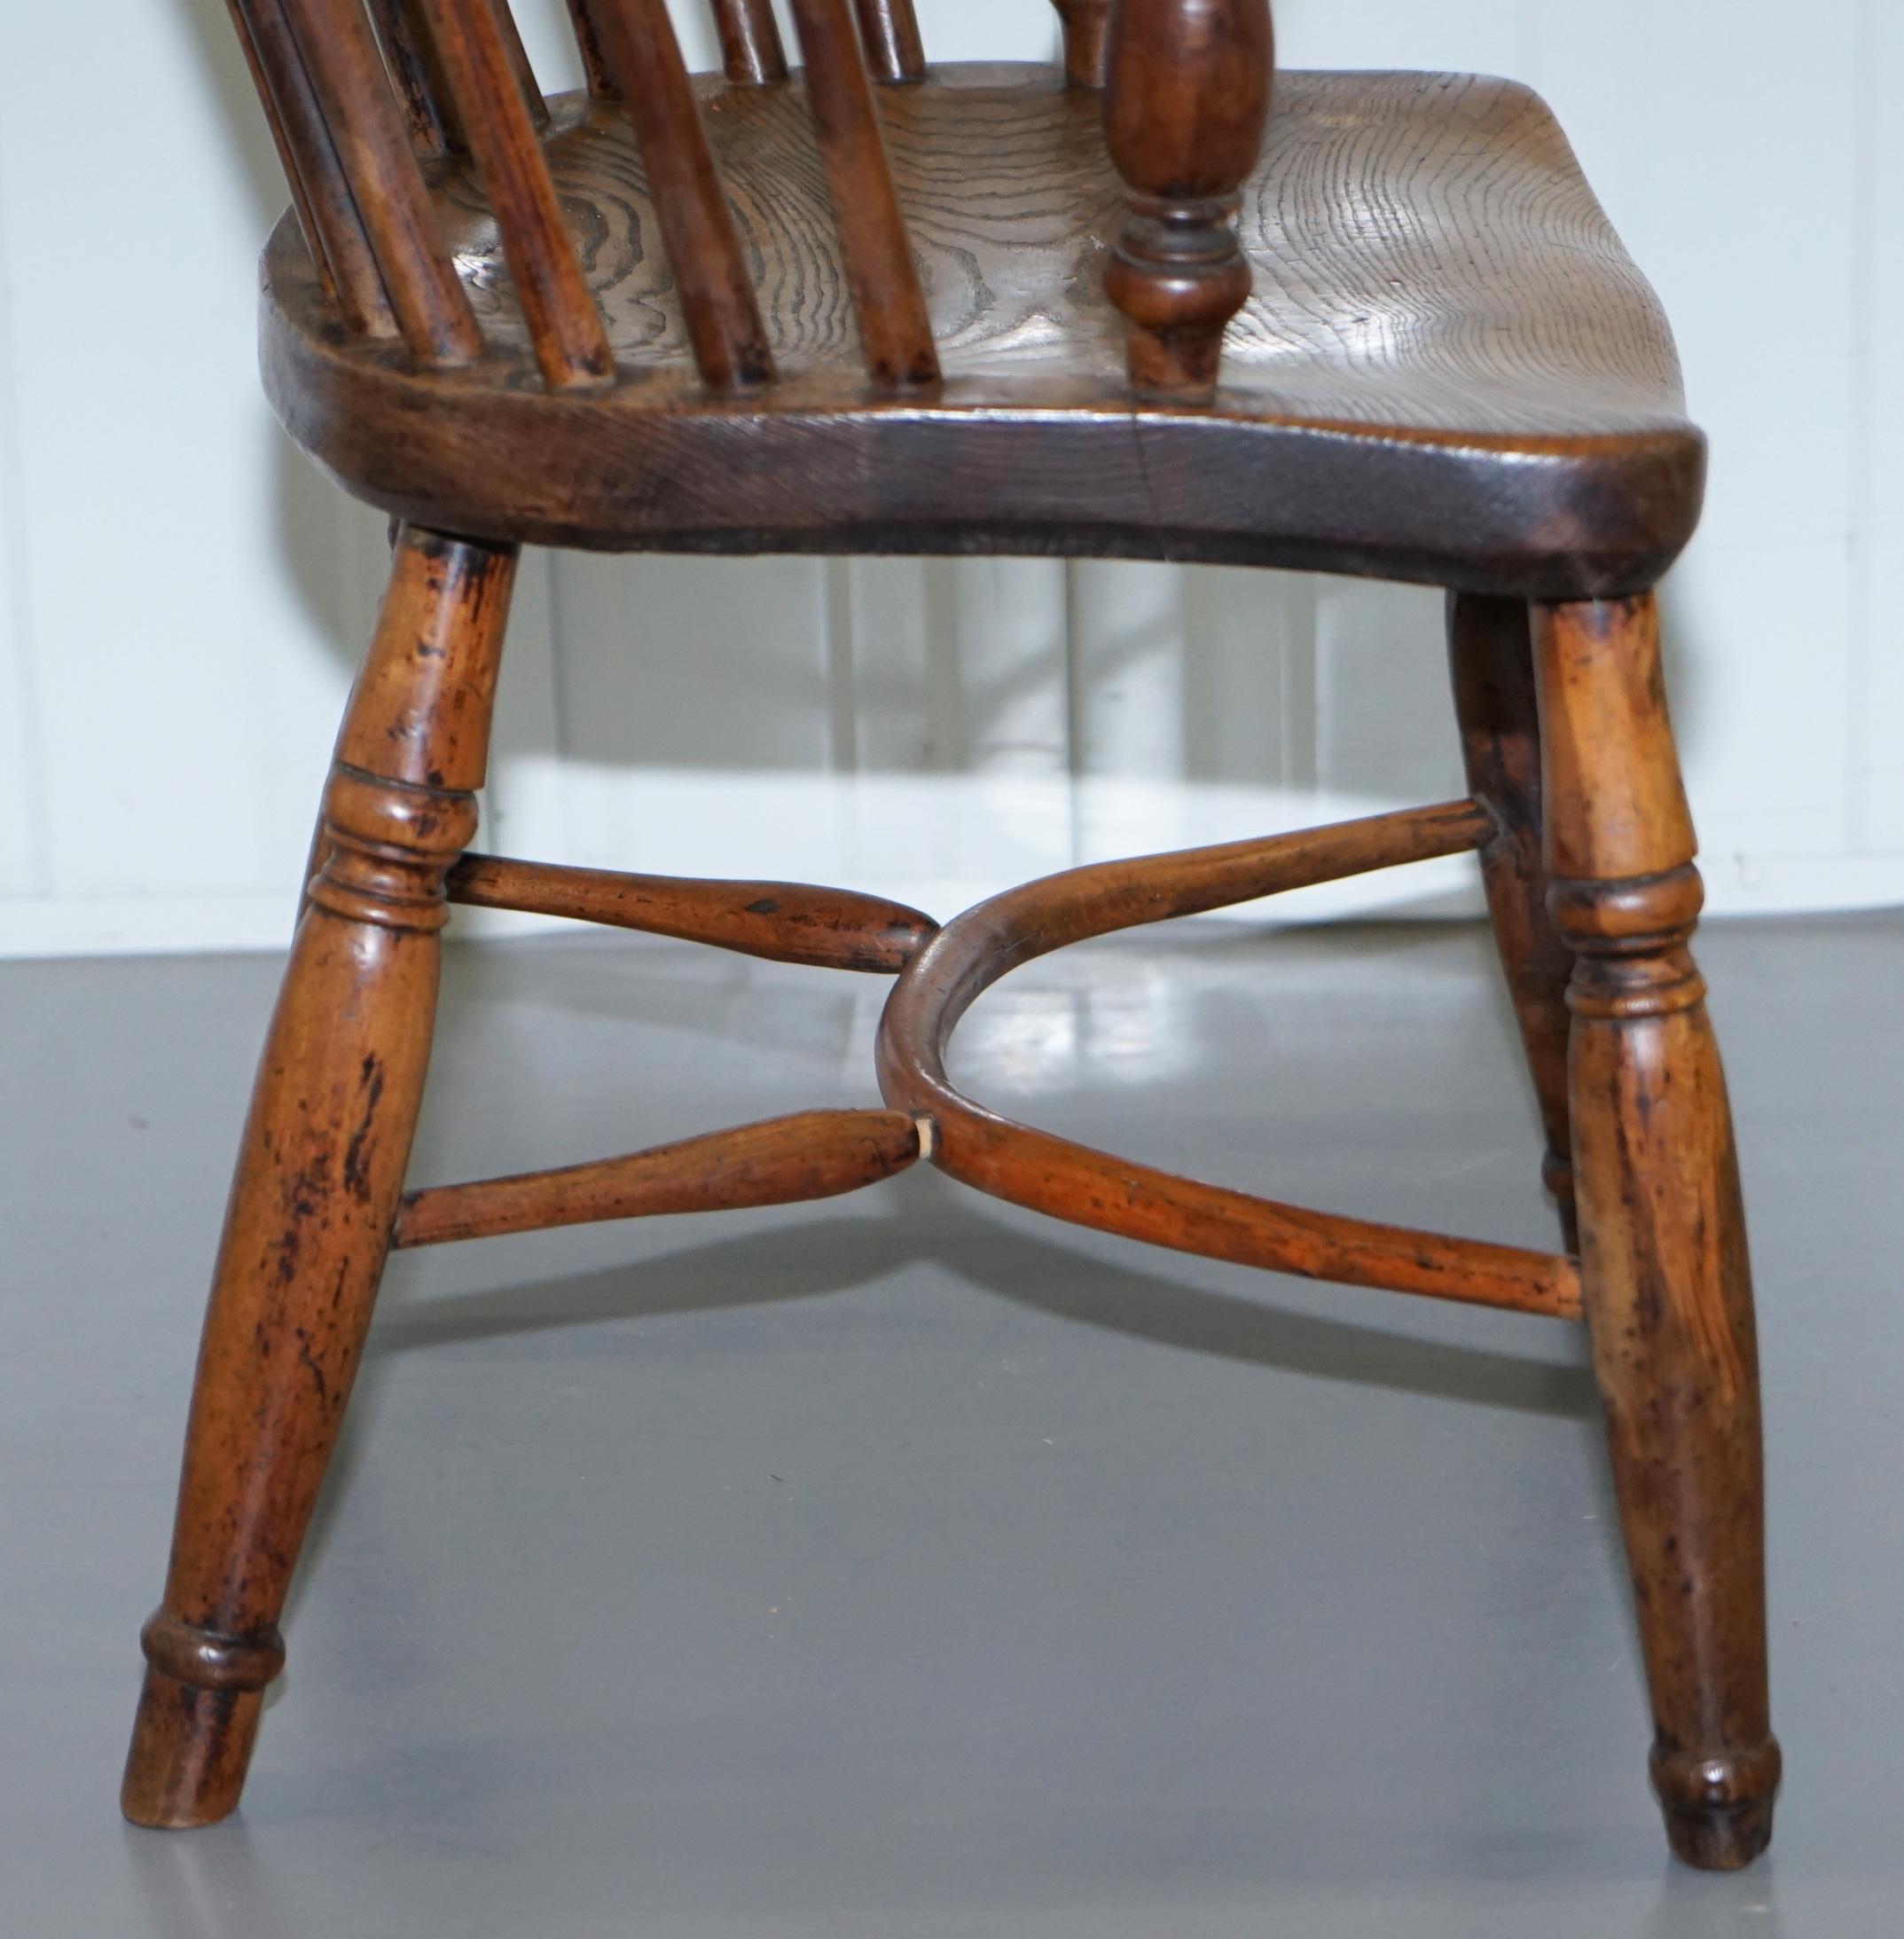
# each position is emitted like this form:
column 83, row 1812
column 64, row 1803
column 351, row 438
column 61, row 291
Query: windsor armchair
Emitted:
column 1116, row 309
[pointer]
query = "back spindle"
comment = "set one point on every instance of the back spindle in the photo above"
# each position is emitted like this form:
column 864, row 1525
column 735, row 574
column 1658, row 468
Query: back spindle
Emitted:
column 751, row 54
column 419, row 77
column 435, row 128
column 526, row 86
column 367, row 131
column 565, row 327
column 1086, row 22
column 889, row 32
column 588, row 43
column 333, row 231
column 895, row 328
column 711, row 273
column 1186, row 98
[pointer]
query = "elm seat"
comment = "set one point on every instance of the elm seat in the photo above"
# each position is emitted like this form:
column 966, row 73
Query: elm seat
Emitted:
column 1449, row 369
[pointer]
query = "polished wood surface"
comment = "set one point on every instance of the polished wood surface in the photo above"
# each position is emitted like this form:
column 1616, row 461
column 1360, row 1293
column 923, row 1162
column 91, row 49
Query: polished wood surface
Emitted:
column 1490, row 657
column 889, row 32
column 571, row 347
column 1072, row 1182
column 751, row 53
column 320, row 1172
column 1186, row 98
column 1662, row 1255
column 365, row 130
column 328, row 223
column 1394, row 396
column 700, row 255
column 783, row 922
column 1086, row 29
column 901, row 308
column 781, row 1161
column 894, row 329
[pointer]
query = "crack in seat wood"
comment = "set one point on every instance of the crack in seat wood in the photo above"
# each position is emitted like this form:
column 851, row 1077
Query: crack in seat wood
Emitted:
column 1435, row 292
column 1127, row 308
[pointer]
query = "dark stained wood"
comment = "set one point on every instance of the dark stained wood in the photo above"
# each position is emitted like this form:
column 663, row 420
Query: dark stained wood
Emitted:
column 527, row 89
column 595, row 72
column 1396, row 399
column 367, row 131
column 571, row 346
column 876, row 253
column 1662, row 1253
column 751, row 54
column 714, row 288
column 418, row 76
column 1490, row 657
column 320, row 1173
column 784, row 922
column 327, row 217
column 1086, row 26
column 1086, row 1187
column 409, row 42
column 814, row 1154
column 1186, row 98
column 889, row 32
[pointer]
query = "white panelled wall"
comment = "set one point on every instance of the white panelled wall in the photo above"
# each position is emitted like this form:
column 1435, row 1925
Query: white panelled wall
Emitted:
column 182, row 597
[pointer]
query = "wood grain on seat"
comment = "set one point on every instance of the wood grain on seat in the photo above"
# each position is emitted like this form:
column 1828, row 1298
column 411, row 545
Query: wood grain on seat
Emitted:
column 1442, row 319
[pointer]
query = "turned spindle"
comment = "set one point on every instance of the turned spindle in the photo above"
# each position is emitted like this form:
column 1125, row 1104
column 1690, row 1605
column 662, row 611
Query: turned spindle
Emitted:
column 751, row 54
column 320, row 1174
column 1186, row 98
column 334, row 231
column 1491, row 656
column 889, row 32
column 875, row 250
column 369, row 136
column 1665, row 1276
column 595, row 71
column 712, row 279
column 1086, row 23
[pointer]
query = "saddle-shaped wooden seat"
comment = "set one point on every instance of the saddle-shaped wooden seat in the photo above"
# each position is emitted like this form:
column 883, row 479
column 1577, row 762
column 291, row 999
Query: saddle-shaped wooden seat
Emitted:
column 1446, row 367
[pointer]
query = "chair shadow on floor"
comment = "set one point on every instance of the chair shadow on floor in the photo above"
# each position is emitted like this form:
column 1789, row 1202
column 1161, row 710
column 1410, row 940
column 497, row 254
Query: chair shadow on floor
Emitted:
column 814, row 1258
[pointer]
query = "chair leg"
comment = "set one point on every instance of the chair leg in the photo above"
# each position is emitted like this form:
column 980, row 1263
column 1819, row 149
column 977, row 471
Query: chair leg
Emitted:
column 1490, row 659
column 1664, row 1263
column 320, row 1172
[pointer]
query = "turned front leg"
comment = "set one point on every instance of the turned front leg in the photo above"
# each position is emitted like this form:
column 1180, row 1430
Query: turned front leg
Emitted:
column 320, row 1173
column 1490, row 657
column 1667, row 1285
column 1186, row 98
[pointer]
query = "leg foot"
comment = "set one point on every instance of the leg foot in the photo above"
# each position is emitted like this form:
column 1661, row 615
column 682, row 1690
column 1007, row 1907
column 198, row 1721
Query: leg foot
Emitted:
column 191, row 1750
column 1717, row 1809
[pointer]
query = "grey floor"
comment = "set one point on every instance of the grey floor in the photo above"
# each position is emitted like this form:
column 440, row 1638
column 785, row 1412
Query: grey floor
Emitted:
column 903, row 1566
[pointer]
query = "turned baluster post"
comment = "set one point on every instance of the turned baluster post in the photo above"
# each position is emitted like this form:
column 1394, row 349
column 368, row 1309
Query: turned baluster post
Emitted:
column 1665, row 1280
column 1186, row 100
column 320, row 1173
